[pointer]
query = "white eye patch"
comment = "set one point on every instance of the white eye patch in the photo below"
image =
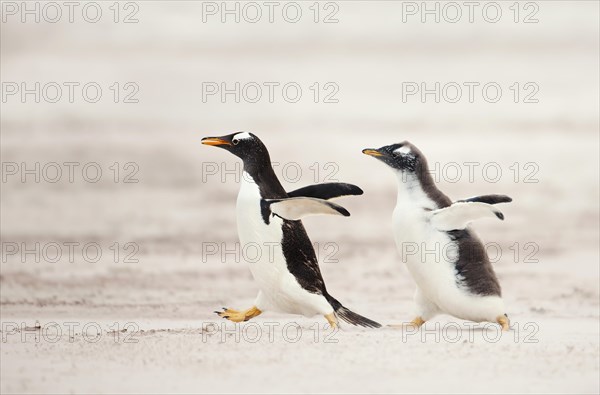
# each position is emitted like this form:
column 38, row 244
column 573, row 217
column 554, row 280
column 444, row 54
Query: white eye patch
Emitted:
column 405, row 149
column 243, row 135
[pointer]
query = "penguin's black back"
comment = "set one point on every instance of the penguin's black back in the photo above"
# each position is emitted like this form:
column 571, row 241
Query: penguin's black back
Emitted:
column 300, row 257
column 473, row 267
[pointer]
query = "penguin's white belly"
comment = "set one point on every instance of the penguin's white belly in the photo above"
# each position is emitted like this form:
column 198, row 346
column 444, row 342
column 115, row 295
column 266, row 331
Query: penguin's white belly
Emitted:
column 430, row 255
column 280, row 291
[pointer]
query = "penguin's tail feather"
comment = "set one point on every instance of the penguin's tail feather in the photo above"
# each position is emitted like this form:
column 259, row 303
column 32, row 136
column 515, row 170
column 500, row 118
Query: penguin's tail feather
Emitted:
column 349, row 316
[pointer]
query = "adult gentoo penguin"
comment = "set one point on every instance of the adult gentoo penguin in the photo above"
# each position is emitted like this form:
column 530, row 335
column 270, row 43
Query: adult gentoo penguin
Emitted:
column 459, row 279
column 287, row 271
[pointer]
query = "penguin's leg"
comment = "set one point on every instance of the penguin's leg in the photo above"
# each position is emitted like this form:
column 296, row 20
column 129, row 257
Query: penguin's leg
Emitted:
column 426, row 310
column 416, row 323
column 504, row 322
column 332, row 319
column 239, row 316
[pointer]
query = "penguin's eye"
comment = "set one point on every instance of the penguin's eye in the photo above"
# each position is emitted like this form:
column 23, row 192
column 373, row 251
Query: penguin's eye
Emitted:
column 235, row 141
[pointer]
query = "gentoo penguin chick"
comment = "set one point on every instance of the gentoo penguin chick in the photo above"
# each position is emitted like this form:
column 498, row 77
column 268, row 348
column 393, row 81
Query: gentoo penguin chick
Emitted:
column 457, row 280
column 287, row 272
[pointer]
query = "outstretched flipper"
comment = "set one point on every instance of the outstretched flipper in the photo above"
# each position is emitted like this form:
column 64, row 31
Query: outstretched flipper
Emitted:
column 296, row 208
column 460, row 214
column 489, row 199
column 327, row 191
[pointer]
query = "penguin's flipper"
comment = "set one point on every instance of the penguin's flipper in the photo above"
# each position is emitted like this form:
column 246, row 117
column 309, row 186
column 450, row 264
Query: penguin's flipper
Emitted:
column 327, row 191
column 297, row 208
column 460, row 214
column 489, row 199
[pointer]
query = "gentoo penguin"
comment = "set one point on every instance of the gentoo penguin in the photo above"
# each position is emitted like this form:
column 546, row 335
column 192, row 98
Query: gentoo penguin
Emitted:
column 447, row 261
column 287, row 272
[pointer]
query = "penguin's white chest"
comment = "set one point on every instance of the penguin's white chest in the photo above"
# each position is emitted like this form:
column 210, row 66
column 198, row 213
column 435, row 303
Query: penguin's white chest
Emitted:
column 280, row 290
column 425, row 251
column 268, row 264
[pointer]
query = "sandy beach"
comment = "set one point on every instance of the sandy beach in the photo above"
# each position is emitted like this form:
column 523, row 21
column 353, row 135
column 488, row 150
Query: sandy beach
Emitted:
column 109, row 280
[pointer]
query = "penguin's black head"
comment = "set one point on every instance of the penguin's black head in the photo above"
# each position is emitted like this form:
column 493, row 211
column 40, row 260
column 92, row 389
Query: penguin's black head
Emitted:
column 245, row 146
column 404, row 157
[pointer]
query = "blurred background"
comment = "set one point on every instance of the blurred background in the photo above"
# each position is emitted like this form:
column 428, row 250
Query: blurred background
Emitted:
column 144, row 83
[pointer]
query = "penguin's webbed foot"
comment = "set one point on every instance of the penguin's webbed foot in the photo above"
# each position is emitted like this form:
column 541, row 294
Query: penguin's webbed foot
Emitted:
column 238, row 316
column 230, row 314
column 504, row 322
column 414, row 324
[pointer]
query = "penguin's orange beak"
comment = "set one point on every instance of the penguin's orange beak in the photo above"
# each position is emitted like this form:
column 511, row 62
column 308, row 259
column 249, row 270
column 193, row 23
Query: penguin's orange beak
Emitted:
column 372, row 152
column 215, row 141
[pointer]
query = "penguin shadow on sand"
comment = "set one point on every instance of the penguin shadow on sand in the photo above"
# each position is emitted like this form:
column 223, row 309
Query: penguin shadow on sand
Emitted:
column 287, row 272
column 462, row 282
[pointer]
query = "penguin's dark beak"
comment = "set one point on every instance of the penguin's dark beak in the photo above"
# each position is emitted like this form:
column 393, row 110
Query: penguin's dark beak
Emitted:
column 372, row 152
column 215, row 141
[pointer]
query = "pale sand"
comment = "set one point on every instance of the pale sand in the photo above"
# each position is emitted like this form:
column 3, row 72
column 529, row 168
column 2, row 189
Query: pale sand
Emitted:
column 172, row 292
